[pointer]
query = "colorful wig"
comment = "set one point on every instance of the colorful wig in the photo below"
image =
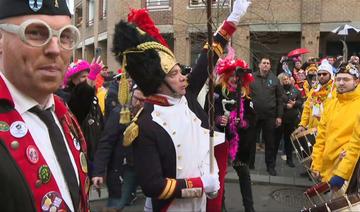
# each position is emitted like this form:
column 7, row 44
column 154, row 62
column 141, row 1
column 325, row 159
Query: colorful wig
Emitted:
column 225, row 70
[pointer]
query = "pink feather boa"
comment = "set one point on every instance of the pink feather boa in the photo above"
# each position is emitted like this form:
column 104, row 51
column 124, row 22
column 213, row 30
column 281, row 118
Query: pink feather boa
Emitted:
column 234, row 124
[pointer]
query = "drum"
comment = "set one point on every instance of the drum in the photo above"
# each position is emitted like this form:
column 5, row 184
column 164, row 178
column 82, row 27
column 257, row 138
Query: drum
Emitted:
column 344, row 203
column 303, row 143
column 317, row 189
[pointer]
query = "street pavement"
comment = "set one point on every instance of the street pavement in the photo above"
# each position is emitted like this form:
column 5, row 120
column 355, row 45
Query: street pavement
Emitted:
column 266, row 198
column 271, row 193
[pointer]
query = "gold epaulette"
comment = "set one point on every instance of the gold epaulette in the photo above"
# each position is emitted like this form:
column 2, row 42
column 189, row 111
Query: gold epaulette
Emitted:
column 132, row 131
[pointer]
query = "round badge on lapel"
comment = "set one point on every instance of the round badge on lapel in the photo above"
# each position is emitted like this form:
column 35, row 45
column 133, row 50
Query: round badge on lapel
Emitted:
column 76, row 144
column 4, row 127
column 83, row 162
column 32, row 154
column 52, row 201
column 18, row 129
column 14, row 145
column 44, row 174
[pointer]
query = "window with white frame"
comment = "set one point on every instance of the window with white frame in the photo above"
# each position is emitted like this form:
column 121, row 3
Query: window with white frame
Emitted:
column 203, row 2
column 91, row 12
column 157, row 4
column 104, row 8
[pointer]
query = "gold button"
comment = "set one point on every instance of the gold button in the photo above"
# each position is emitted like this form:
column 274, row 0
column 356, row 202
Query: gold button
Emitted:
column 179, row 168
column 157, row 114
column 15, row 145
column 179, row 157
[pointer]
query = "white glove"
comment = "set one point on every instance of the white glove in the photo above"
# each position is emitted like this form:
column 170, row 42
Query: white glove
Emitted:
column 239, row 10
column 211, row 183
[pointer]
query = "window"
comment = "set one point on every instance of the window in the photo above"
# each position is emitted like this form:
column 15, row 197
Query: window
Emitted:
column 157, row 4
column 103, row 9
column 78, row 16
column 91, row 11
column 202, row 2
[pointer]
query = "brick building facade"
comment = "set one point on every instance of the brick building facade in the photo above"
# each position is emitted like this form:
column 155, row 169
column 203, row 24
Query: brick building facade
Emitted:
column 270, row 27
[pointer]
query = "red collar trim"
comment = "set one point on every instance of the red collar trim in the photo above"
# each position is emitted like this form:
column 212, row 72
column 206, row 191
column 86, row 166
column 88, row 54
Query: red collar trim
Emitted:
column 158, row 100
column 60, row 107
column 5, row 93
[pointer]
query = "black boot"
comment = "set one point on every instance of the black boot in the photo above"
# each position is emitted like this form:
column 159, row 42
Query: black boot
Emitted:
column 245, row 186
column 290, row 163
column 271, row 171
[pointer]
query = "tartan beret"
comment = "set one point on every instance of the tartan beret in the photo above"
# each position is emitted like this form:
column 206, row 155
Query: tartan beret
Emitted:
column 13, row 8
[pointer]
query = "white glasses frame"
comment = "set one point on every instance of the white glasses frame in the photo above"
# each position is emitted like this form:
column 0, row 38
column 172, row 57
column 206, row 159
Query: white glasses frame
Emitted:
column 20, row 31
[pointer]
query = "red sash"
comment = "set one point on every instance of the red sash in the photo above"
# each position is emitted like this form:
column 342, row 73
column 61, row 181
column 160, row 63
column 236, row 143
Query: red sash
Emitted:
column 35, row 170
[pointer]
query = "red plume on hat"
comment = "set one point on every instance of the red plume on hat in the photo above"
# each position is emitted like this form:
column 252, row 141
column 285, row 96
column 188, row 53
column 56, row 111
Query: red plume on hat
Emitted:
column 226, row 67
column 142, row 19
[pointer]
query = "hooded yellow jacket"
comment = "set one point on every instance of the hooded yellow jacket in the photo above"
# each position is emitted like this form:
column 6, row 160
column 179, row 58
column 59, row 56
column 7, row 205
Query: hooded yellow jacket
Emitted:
column 322, row 96
column 339, row 130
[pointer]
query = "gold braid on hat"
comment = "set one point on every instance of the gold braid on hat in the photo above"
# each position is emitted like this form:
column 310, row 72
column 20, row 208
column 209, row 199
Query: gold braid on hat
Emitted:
column 167, row 61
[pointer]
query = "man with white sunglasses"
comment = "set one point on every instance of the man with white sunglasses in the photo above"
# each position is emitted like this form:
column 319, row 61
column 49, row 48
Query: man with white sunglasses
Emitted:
column 43, row 153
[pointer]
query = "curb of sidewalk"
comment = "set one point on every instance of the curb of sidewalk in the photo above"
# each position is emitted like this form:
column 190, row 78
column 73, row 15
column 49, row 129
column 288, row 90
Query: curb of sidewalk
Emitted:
column 271, row 180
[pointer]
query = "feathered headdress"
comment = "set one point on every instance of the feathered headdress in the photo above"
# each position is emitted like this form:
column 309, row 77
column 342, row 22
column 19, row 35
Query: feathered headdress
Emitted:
column 141, row 19
column 226, row 68
column 143, row 54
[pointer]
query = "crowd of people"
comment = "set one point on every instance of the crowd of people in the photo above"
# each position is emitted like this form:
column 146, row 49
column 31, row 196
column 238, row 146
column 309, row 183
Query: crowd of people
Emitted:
column 65, row 126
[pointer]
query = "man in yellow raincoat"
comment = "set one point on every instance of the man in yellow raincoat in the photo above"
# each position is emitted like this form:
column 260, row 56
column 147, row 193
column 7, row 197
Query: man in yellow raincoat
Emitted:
column 339, row 133
column 317, row 98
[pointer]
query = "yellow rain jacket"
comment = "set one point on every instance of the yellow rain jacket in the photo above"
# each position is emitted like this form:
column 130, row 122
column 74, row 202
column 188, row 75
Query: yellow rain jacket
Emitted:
column 316, row 99
column 339, row 130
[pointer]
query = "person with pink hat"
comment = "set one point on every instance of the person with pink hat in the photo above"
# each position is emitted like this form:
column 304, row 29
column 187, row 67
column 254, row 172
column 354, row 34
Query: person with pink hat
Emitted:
column 80, row 95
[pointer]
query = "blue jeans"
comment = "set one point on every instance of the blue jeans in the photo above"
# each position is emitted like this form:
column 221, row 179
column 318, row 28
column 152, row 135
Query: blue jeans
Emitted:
column 129, row 185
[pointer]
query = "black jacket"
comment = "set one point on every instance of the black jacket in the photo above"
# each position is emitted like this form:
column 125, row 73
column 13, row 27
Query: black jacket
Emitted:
column 110, row 153
column 111, row 100
column 266, row 95
column 15, row 194
column 291, row 115
column 249, row 117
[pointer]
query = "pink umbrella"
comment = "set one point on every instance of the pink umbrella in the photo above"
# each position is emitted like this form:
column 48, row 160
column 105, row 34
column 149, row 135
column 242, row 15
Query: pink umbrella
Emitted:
column 298, row 51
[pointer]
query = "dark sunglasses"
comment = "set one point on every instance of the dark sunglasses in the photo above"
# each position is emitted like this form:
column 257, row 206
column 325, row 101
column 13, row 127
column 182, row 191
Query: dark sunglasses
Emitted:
column 322, row 74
